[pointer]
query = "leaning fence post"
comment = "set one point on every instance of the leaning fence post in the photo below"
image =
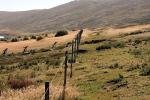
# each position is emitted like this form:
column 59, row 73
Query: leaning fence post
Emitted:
column 5, row 51
column 46, row 90
column 54, row 45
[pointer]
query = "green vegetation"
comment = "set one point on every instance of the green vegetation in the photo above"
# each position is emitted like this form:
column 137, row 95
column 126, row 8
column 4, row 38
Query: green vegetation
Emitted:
column 61, row 33
column 39, row 38
column 14, row 40
column 107, row 68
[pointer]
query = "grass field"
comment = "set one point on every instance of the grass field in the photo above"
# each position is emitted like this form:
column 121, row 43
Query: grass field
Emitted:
column 115, row 66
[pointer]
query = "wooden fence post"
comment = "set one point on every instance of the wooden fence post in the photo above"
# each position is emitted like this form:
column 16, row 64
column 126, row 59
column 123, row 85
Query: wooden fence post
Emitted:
column 75, row 49
column 72, row 59
column 54, row 45
column 65, row 68
column 25, row 49
column 80, row 35
column 46, row 90
column 5, row 51
column 78, row 43
column 65, row 75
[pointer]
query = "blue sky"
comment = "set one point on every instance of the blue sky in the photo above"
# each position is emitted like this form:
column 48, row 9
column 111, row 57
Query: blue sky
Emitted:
column 22, row 5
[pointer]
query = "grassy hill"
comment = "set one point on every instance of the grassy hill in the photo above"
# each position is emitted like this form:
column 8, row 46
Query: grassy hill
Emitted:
column 115, row 64
column 78, row 13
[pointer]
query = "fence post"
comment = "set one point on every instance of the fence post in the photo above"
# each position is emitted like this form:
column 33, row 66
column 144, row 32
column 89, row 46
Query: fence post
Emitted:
column 80, row 35
column 78, row 43
column 5, row 51
column 72, row 59
column 75, row 49
column 54, row 45
column 65, row 68
column 65, row 75
column 25, row 49
column 46, row 90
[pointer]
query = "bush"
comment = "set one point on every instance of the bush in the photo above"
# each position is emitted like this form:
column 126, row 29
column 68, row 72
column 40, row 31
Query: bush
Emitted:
column 18, row 84
column 115, row 65
column 136, row 52
column 103, row 47
column 46, row 35
column 136, row 32
column 25, row 38
column 61, row 33
column 118, row 44
column 14, row 40
column 116, row 80
column 33, row 51
column 145, row 71
column 44, row 50
column 94, row 41
column 33, row 37
column 39, row 38
column 54, row 62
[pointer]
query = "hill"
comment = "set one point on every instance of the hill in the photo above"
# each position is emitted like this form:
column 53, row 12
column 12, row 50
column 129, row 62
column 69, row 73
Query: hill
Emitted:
column 115, row 65
column 78, row 13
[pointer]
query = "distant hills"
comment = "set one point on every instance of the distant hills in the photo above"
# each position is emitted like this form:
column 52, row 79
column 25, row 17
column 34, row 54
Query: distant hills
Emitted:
column 76, row 14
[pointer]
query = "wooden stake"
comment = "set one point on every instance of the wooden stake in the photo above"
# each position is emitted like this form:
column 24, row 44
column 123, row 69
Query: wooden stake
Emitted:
column 65, row 75
column 46, row 90
column 5, row 51
column 54, row 45
column 25, row 49
column 65, row 68
column 75, row 49
column 72, row 59
column 78, row 43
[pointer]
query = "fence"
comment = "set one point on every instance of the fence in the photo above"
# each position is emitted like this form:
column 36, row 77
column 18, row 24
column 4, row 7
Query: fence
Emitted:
column 74, row 53
column 75, row 44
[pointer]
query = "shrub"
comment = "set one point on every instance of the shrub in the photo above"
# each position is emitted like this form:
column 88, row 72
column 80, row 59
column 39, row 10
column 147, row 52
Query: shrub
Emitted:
column 18, row 84
column 145, row 71
column 61, row 33
column 32, row 51
column 44, row 50
column 14, row 40
column 25, row 38
column 136, row 52
column 103, row 47
column 94, row 41
column 136, row 32
column 3, row 39
column 55, row 62
column 33, row 37
column 115, row 65
column 118, row 44
column 116, row 80
column 39, row 38
column 46, row 35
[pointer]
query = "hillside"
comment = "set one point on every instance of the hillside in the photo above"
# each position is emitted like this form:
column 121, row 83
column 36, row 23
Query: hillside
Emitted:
column 79, row 13
column 115, row 65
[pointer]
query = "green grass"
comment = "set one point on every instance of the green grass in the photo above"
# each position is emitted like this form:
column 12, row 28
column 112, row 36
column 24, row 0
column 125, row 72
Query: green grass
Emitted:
column 93, row 69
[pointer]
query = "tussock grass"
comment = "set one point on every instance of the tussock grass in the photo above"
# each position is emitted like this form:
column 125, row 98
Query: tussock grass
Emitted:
column 37, row 93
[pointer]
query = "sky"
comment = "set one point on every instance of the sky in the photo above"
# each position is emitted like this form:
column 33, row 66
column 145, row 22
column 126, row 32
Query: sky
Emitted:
column 23, row 5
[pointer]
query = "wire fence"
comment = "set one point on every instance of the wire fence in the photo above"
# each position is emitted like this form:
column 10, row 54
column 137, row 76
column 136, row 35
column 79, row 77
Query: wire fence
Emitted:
column 74, row 54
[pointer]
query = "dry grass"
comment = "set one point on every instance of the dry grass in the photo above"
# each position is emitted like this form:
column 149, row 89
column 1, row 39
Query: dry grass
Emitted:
column 33, row 44
column 37, row 93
